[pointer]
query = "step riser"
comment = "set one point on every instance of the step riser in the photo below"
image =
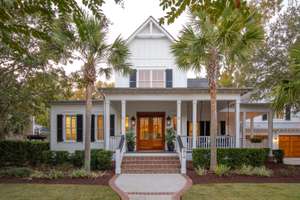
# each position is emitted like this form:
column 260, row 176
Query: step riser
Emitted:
column 150, row 165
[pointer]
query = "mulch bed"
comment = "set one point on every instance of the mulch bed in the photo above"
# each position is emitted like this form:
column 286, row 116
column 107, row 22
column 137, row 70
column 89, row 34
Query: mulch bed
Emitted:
column 277, row 176
column 103, row 180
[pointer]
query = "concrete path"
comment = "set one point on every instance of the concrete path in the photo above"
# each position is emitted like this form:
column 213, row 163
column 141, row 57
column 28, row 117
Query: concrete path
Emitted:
column 291, row 161
column 150, row 186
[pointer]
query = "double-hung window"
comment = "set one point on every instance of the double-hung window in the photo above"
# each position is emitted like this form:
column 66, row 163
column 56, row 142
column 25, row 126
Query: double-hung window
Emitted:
column 151, row 78
column 70, row 128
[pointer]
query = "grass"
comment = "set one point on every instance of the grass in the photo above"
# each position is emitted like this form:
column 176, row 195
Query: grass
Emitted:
column 245, row 191
column 57, row 192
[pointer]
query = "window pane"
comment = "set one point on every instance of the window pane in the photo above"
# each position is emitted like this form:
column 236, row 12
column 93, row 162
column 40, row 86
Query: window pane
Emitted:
column 144, row 78
column 158, row 78
column 70, row 128
column 100, row 130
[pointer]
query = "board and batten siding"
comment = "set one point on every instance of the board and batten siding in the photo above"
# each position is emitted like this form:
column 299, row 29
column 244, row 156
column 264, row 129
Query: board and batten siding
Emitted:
column 76, row 110
column 152, row 53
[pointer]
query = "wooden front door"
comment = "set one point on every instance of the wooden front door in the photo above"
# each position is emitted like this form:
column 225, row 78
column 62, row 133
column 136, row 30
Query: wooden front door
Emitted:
column 150, row 131
column 290, row 144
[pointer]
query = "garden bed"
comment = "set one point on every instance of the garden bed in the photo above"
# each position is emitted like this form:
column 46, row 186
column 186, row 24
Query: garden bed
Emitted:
column 101, row 180
column 281, row 174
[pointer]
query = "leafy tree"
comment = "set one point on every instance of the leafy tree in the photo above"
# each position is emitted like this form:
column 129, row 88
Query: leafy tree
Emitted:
column 22, row 98
column 219, row 32
column 287, row 92
column 90, row 46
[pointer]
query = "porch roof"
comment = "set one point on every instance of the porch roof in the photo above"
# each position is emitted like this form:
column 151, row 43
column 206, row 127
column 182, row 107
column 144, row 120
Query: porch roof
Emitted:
column 74, row 102
column 155, row 91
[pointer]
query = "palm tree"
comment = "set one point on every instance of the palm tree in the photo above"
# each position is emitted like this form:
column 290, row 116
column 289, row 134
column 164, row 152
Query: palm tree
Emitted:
column 287, row 93
column 218, row 33
column 92, row 49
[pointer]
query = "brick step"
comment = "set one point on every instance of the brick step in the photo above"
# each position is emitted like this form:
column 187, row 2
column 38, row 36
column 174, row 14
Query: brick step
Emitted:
column 155, row 158
column 142, row 171
column 152, row 166
column 162, row 162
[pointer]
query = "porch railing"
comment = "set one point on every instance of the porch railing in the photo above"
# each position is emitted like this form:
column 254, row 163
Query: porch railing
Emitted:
column 204, row 142
column 114, row 141
column 181, row 150
column 120, row 153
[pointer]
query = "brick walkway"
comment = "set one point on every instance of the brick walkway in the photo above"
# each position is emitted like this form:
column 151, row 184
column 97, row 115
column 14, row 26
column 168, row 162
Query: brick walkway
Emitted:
column 150, row 186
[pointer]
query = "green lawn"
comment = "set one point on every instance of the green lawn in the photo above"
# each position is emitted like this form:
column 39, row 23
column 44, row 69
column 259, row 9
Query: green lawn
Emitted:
column 244, row 191
column 55, row 192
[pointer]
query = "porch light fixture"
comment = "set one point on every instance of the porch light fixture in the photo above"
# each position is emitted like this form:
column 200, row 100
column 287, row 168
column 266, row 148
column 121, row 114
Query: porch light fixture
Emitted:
column 168, row 121
column 132, row 121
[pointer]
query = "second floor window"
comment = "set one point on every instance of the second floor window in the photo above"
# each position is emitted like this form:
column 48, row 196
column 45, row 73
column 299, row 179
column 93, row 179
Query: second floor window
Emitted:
column 151, row 78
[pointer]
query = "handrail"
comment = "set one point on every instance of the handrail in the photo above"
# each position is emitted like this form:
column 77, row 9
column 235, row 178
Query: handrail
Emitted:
column 122, row 141
column 182, row 154
column 119, row 154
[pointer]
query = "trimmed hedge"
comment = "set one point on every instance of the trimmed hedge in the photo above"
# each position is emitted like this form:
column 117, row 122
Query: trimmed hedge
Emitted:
column 21, row 153
column 233, row 157
column 100, row 159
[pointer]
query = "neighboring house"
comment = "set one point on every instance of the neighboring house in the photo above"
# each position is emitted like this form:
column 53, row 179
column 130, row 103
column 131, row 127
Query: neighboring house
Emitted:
column 156, row 96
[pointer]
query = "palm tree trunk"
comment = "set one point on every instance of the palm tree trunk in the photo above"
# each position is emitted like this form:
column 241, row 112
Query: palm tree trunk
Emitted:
column 212, row 77
column 87, row 140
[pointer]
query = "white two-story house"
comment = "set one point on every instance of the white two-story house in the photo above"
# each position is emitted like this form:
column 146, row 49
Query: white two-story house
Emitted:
column 157, row 95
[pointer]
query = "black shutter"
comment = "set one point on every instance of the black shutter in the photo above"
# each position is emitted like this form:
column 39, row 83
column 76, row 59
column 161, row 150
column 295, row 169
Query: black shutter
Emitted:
column 202, row 128
column 93, row 128
column 223, row 127
column 79, row 125
column 188, row 128
column 59, row 128
column 288, row 113
column 132, row 79
column 112, row 125
column 264, row 117
column 169, row 78
column 207, row 128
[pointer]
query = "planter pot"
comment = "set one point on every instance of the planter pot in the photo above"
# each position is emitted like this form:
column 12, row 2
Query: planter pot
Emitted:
column 171, row 147
column 130, row 148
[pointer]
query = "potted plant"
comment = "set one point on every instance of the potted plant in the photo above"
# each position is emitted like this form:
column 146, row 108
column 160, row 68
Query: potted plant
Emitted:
column 130, row 140
column 170, row 138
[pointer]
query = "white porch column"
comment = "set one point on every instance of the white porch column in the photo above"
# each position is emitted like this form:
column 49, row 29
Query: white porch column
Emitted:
column 270, row 131
column 237, row 124
column 123, row 122
column 252, row 125
column 194, row 123
column 178, row 117
column 107, row 123
column 244, row 129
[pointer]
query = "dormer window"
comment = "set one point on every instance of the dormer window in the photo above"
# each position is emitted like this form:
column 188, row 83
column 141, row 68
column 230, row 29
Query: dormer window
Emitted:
column 151, row 78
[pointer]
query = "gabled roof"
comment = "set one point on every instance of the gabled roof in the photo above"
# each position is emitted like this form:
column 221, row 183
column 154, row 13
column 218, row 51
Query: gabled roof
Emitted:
column 156, row 24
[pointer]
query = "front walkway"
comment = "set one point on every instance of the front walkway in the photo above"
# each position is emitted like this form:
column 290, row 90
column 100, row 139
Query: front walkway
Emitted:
column 150, row 186
column 291, row 161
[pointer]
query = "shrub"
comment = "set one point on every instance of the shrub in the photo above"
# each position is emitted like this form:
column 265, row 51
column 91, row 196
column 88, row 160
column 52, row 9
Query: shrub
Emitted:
column 77, row 158
column 245, row 170
column 100, row 159
column 81, row 173
column 262, row 171
column 15, row 172
column 55, row 174
column 222, row 170
column 21, row 153
column 253, row 171
column 200, row 171
column 55, row 157
column 233, row 157
column 278, row 155
column 38, row 174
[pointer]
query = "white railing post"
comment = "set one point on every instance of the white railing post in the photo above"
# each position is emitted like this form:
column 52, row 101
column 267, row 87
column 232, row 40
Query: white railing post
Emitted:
column 118, row 161
column 183, row 161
